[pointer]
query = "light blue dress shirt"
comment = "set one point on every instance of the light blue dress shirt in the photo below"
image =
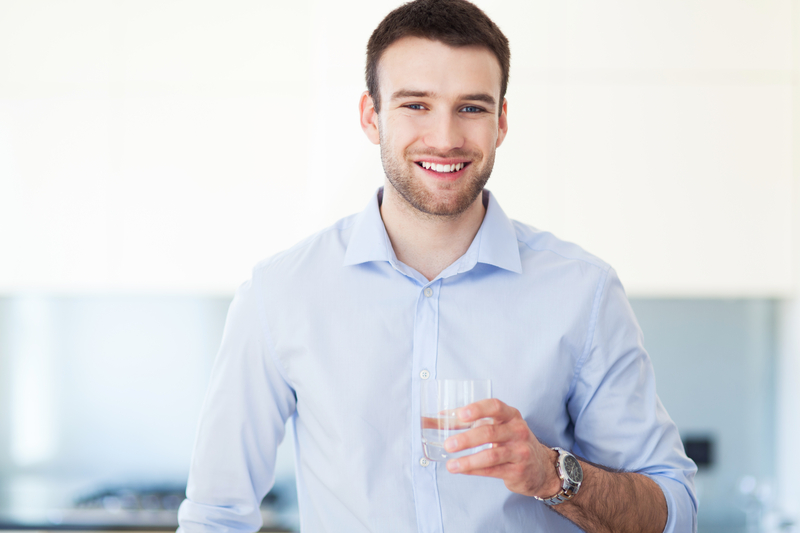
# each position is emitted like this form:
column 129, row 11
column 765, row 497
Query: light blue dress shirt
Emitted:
column 337, row 334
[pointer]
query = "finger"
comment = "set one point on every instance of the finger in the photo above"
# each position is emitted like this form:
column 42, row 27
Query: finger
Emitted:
column 489, row 408
column 480, row 435
column 498, row 471
column 486, row 459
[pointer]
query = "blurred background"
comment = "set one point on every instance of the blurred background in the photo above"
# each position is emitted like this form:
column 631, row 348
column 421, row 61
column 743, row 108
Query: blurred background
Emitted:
column 151, row 152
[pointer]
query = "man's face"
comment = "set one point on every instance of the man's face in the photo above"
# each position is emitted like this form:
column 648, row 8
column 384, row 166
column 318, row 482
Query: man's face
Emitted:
column 438, row 127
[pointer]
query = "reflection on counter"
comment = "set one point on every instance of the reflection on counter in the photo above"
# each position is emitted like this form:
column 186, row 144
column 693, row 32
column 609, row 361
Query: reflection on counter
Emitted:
column 58, row 504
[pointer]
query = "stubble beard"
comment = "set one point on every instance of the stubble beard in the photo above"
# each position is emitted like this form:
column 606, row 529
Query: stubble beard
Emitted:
column 413, row 191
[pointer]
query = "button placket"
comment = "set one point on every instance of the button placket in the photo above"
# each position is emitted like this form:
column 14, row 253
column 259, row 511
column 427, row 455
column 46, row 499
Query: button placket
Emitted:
column 426, row 490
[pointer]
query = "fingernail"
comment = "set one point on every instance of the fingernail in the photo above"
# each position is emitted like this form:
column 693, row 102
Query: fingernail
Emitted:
column 453, row 466
column 450, row 443
column 464, row 414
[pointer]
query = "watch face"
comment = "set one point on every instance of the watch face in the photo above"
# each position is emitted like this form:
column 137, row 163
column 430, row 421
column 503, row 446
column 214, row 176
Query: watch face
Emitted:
column 573, row 468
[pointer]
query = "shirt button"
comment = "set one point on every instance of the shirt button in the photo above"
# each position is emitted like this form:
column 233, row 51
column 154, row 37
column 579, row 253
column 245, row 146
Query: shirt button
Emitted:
column 424, row 374
column 428, row 292
column 424, row 462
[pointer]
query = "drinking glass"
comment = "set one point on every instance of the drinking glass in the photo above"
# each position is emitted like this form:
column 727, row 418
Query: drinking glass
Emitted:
column 440, row 398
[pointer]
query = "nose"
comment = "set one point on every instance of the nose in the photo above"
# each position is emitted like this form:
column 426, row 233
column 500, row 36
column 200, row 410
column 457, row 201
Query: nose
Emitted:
column 444, row 133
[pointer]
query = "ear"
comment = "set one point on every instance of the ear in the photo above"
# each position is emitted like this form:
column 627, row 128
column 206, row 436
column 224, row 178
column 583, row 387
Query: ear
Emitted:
column 369, row 118
column 502, row 124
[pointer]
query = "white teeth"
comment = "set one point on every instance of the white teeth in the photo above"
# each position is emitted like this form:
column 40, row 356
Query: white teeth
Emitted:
column 442, row 168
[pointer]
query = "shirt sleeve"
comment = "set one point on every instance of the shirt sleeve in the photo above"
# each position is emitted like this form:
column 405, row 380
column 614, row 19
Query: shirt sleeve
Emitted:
column 619, row 420
column 242, row 422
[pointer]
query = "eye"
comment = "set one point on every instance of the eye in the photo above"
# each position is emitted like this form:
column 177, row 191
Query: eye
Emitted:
column 414, row 106
column 472, row 109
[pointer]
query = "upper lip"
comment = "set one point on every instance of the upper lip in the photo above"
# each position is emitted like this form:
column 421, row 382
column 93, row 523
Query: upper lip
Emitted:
column 441, row 160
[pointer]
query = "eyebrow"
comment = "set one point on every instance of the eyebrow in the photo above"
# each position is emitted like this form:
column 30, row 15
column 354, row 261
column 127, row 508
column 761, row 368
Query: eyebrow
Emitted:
column 408, row 93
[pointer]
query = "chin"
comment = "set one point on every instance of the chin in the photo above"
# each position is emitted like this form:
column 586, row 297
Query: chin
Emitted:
column 450, row 206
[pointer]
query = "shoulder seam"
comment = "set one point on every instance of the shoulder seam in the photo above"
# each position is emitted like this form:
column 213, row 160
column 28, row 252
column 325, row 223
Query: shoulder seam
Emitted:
column 598, row 264
column 306, row 242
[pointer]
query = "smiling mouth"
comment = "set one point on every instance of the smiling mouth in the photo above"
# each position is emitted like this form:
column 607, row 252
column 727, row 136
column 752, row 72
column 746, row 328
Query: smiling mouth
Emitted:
column 437, row 167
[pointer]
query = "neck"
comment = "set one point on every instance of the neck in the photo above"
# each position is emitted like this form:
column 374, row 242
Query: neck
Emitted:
column 428, row 243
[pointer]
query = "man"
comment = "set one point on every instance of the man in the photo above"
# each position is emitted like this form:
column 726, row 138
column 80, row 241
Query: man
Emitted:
column 433, row 280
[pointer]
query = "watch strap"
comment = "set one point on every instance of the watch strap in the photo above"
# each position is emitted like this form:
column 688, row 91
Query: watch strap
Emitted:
column 568, row 488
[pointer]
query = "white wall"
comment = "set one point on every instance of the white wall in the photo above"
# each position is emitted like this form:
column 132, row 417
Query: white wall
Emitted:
column 169, row 145
column 659, row 137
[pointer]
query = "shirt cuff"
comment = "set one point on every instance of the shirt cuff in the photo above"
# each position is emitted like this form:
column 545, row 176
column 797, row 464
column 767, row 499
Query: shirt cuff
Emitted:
column 681, row 507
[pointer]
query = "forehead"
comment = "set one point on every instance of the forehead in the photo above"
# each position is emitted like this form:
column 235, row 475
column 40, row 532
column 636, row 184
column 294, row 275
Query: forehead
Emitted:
column 426, row 65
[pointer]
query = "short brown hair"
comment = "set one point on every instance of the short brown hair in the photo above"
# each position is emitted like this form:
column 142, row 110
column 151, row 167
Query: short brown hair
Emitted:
column 452, row 22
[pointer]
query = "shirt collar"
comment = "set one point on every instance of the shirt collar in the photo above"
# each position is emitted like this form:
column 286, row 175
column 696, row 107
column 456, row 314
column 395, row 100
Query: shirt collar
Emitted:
column 498, row 238
column 369, row 240
column 495, row 243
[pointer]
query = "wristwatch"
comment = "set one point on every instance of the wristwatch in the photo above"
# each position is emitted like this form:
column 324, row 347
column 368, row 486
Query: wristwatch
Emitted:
column 571, row 474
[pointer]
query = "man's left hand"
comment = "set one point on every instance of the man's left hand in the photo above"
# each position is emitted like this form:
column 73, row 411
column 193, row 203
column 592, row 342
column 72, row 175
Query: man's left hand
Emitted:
column 517, row 457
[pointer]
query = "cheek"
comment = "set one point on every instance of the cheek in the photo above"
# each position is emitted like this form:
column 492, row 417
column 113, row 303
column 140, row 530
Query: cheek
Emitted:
column 405, row 128
column 486, row 141
column 482, row 133
column 399, row 136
